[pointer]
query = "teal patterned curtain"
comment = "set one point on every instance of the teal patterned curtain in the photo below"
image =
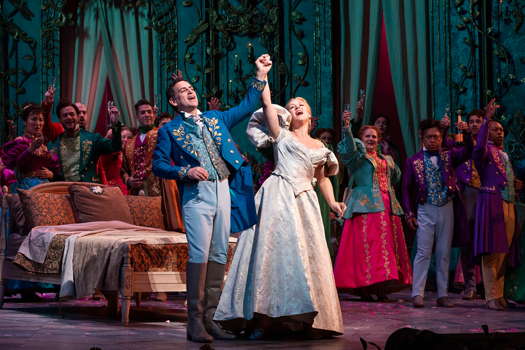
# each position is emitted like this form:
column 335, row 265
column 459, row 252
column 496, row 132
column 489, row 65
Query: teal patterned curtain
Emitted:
column 407, row 39
column 360, row 33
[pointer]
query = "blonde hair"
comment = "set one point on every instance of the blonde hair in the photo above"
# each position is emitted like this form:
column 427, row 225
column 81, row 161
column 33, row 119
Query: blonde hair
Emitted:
column 308, row 108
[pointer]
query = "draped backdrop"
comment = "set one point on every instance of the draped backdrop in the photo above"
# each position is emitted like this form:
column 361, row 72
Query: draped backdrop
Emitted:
column 406, row 31
column 103, row 33
column 414, row 58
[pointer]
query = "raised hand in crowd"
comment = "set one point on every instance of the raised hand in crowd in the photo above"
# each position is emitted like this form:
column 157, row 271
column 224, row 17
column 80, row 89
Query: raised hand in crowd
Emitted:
column 49, row 95
column 360, row 108
column 346, row 116
column 177, row 75
column 214, row 103
column 114, row 114
column 462, row 126
column 491, row 108
column 444, row 123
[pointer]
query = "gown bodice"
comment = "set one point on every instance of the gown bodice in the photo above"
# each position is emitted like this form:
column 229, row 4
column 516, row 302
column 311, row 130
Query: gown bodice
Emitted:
column 296, row 163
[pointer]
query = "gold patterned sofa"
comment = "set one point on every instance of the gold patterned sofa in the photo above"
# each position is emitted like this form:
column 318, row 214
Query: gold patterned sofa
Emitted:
column 142, row 267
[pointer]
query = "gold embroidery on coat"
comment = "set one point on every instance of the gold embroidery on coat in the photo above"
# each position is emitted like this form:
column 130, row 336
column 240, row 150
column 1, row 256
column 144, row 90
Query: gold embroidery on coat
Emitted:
column 214, row 128
column 87, row 146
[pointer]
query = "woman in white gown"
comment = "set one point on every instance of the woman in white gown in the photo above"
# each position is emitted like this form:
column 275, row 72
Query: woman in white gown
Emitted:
column 281, row 276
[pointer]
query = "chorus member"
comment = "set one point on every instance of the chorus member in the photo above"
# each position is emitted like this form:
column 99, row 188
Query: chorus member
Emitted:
column 109, row 166
column 429, row 187
column 27, row 155
column 469, row 184
column 78, row 150
column 386, row 145
column 372, row 256
column 495, row 211
column 138, row 154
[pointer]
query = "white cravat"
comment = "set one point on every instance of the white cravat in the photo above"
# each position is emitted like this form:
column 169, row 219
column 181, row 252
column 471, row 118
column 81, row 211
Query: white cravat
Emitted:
column 197, row 118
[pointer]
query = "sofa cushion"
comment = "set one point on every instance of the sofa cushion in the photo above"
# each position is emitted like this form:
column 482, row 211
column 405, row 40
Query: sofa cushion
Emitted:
column 99, row 203
column 146, row 211
column 46, row 209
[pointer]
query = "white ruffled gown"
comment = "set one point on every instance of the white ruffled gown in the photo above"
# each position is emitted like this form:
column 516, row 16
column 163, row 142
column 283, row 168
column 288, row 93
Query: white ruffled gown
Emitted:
column 282, row 265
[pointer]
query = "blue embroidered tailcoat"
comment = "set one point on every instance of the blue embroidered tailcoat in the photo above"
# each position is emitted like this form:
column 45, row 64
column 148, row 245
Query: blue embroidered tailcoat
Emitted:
column 175, row 154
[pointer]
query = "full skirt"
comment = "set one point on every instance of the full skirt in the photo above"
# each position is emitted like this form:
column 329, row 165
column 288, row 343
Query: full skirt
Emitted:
column 373, row 253
column 282, row 268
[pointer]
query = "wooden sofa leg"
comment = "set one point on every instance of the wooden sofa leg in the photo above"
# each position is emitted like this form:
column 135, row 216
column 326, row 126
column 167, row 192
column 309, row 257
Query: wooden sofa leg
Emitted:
column 125, row 304
column 126, row 290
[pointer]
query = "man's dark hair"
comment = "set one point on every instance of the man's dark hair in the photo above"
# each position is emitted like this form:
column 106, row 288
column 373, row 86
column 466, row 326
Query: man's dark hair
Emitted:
column 31, row 108
column 426, row 124
column 164, row 115
column 477, row 112
column 142, row 102
column 170, row 91
column 381, row 115
column 64, row 104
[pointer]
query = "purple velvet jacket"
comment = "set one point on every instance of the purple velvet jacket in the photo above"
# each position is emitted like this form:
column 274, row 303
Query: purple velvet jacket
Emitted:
column 490, row 165
column 414, row 187
column 489, row 229
column 465, row 172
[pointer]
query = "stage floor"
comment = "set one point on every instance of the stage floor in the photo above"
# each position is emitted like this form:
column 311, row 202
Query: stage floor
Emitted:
column 156, row 325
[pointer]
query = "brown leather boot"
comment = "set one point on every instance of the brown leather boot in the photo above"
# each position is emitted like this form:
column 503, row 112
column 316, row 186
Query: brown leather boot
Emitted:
column 195, row 282
column 214, row 280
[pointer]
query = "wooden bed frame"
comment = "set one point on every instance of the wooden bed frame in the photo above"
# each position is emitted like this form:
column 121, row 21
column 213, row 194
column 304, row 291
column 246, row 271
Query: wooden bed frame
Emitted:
column 130, row 281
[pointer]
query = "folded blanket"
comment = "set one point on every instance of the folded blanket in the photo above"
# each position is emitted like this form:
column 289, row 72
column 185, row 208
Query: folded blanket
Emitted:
column 94, row 251
column 36, row 244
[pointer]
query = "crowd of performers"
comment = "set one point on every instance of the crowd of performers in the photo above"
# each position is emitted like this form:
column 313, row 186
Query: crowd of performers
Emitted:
column 285, row 274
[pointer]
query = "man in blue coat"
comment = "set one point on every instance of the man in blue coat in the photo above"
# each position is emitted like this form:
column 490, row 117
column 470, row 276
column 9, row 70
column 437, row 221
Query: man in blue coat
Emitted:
column 197, row 149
